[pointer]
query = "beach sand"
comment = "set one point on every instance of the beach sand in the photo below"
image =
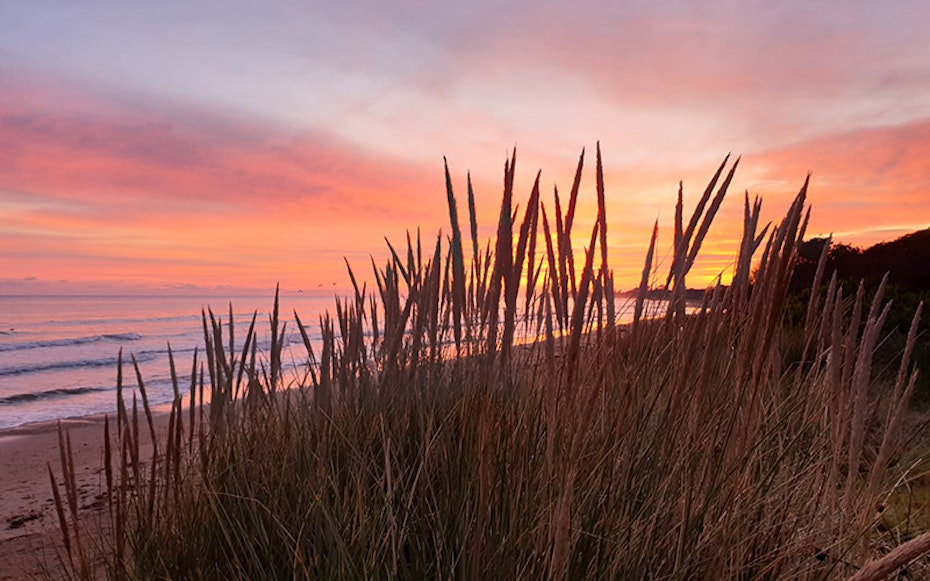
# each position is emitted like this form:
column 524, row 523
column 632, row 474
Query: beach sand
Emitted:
column 30, row 537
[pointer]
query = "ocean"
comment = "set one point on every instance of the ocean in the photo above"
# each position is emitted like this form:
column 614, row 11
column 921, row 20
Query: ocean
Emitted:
column 58, row 354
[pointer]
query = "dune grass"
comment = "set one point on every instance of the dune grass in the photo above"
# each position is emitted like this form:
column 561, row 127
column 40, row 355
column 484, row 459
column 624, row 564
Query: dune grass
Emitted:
column 428, row 438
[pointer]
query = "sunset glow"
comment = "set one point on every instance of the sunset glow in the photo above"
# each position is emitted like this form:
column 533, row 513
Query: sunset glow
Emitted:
column 184, row 147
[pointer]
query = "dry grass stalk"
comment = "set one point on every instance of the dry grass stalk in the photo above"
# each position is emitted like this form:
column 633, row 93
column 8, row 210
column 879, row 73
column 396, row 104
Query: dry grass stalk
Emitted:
column 900, row 556
column 687, row 448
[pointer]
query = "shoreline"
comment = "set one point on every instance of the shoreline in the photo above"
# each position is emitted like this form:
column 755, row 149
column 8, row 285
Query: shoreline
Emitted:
column 30, row 538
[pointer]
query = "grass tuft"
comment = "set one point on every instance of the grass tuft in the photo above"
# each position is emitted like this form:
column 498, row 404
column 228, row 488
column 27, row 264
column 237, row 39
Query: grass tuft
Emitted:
column 448, row 425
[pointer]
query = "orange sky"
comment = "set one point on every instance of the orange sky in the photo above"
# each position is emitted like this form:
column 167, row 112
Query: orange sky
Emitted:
column 177, row 147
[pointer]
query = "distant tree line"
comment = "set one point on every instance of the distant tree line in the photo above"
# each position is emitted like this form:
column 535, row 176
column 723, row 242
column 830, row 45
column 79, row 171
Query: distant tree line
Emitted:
column 905, row 260
column 907, row 263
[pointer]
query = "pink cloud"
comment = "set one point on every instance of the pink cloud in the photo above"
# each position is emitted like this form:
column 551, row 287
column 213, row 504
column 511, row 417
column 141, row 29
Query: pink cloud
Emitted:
column 94, row 188
column 102, row 149
column 125, row 188
column 867, row 185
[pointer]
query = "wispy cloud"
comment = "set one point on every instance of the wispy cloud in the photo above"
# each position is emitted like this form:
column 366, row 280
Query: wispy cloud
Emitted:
column 140, row 138
column 867, row 185
column 105, row 150
column 133, row 190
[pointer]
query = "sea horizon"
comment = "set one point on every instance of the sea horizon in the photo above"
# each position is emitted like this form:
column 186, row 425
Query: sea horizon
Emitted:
column 59, row 353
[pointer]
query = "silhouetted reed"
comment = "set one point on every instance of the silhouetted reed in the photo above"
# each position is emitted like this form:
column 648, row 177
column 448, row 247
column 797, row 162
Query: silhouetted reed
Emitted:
column 449, row 425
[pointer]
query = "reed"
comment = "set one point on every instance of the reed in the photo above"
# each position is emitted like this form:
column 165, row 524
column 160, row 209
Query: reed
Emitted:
column 479, row 414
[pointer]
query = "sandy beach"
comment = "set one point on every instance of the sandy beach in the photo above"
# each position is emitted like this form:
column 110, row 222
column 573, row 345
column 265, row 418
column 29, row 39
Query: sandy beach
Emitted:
column 29, row 531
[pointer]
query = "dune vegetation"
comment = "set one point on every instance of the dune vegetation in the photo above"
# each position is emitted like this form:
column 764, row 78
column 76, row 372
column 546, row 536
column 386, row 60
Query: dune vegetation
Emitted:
column 478, row 413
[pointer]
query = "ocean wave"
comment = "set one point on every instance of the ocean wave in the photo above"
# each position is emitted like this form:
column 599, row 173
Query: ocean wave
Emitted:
column 80, row 364
column 111, row 337
column 122, row 321
column 51, row 393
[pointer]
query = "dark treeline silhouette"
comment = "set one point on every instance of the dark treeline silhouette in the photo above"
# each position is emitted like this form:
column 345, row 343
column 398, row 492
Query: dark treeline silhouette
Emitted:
column 906, row 260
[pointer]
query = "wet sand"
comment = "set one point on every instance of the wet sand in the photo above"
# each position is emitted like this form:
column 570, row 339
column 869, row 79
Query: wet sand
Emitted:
column 30, row 537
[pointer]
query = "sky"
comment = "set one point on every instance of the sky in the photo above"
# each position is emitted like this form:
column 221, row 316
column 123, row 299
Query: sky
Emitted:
column 185, row 147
